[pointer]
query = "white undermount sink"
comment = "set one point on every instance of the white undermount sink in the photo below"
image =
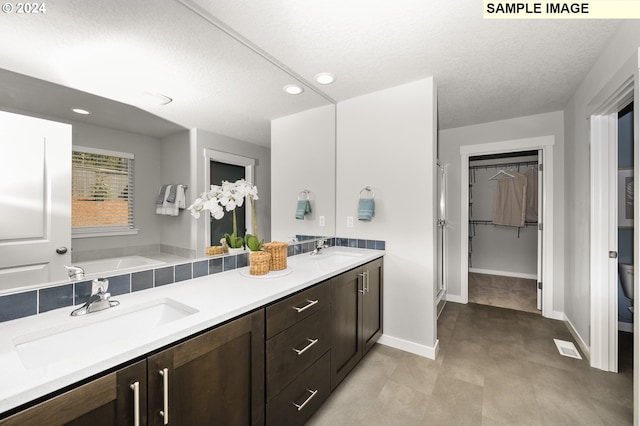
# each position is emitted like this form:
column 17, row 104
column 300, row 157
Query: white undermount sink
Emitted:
column 88, row 334
column 336, row 257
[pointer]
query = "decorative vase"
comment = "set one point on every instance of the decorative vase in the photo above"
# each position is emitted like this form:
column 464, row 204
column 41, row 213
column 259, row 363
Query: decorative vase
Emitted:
column 259, row 262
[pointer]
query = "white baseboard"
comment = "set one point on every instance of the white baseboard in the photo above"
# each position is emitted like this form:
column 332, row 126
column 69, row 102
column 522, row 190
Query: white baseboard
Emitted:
column 627, row 327
column 504, row 273
column 557, row 315
column 455, row 298
column 576, row 335
column 426, row 351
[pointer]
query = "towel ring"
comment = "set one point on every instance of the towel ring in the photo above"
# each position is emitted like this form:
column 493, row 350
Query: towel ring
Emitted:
column 303, row 194
column 367, row 189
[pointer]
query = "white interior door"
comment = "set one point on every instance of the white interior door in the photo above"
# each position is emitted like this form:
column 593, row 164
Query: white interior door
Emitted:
column 540, row 226
column 35, row 200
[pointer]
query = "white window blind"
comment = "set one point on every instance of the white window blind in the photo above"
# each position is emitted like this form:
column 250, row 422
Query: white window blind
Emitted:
column 102, row 192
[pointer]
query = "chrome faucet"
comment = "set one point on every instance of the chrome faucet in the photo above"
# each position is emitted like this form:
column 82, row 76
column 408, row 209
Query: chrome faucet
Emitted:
column 99, row 299
column 75, row 272
column 322, row 244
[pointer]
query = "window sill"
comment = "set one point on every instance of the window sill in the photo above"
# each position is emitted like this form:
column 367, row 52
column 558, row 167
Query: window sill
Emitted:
column 104, row 234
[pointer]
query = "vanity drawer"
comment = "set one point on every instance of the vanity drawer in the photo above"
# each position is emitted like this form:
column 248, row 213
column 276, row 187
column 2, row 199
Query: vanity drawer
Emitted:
column 308, row 392
column 284, row 314
column 295, row 349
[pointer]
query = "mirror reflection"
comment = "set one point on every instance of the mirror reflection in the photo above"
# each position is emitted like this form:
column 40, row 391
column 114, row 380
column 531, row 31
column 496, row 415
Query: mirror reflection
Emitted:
column 163, row 151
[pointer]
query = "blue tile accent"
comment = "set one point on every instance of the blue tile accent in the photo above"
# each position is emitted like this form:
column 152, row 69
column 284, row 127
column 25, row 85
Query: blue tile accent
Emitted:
column 380, row 245
column 229, row 263
column 183, row 272
column 308, row 247
column 81, row 292
column 362, row 243
column 215, row 265
column 353, row 242
column 163, row 276
column 200, row 269
column 371, row 244
column 120, row 284
column 55, row 297
column 142, row 280
column 290, row 250
column 18, row 305
column 344, row 242
column 242, row 260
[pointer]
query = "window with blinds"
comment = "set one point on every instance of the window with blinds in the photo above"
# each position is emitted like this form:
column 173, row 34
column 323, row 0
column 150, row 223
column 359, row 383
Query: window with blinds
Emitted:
column 101, row 192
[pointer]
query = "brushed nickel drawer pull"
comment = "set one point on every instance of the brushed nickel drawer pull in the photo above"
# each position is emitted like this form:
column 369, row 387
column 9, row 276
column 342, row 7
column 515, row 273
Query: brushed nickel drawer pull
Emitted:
column 165, row 395
column 303, row 350
column 307, row 306
column 363, row 290
column 309, row 398
column 135, row 387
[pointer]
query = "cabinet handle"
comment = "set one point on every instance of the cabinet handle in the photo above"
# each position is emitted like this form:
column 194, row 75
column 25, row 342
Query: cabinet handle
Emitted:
column 135, row 387
column 303, row 350
column 309, row 398
column 367, row 281
column 307, row 306
column 363, row 290
column 165, row 395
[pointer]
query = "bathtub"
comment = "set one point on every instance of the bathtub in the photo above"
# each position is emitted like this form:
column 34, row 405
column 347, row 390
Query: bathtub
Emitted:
column 118, row 264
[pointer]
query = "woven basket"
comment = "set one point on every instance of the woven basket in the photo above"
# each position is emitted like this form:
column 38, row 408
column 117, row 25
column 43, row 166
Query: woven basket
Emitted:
column 259, row 262
column 278, row 253
column 214, row 250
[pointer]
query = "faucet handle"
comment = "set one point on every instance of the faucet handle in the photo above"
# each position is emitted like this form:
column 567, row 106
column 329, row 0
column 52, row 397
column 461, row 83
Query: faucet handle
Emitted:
column 99, row 285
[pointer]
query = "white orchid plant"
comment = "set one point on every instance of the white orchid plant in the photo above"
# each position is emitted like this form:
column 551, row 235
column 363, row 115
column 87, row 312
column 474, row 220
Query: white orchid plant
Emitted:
column 225, row 198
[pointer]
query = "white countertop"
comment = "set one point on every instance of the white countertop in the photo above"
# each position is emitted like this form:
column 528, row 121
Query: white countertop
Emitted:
column 210, row 300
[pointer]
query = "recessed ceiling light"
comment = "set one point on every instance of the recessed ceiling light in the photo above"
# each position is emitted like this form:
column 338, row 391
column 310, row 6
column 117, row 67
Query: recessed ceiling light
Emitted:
column 293, row 89
column 155, row 99
column 80, row 111
column 325, row 78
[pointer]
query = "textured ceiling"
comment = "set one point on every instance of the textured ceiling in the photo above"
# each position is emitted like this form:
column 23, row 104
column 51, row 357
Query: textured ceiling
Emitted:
column 485, row 70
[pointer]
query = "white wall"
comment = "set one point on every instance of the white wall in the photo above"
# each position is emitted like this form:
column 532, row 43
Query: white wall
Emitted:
column 612, row 61
column 387, row 140
column 303, row 150
column 451, row 140
column 199, row 140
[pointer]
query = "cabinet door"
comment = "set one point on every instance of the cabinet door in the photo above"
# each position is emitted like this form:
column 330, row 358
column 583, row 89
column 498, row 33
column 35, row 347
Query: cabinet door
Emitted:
column 372, row 304
column 107, row 401
column 346, row 306
column 216, row 378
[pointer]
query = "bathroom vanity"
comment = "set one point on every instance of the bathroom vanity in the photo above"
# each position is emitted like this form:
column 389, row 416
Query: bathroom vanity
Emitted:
column 228, row 348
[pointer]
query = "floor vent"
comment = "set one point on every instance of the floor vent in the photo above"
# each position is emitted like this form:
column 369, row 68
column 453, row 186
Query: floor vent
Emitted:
column 567, row 349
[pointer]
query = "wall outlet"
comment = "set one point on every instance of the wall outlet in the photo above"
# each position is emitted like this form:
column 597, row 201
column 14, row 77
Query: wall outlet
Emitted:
column 321, row 219
column 349, row 221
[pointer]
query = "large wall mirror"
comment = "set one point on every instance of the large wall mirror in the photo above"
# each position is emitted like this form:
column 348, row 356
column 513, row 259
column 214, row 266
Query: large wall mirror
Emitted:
column 116, row 60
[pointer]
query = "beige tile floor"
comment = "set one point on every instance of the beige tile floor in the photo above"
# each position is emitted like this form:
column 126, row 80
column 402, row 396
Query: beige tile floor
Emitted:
column 495, row 367
column 504, row 292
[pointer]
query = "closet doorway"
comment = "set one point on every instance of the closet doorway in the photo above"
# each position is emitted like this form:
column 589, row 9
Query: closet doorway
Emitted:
column 504, row 236
column 473, row 253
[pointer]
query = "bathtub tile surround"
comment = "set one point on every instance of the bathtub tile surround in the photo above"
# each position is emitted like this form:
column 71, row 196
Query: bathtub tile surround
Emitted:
column 32, row 302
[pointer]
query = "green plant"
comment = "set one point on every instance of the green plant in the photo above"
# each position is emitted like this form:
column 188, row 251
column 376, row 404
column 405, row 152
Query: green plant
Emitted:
column 253, row 242
column 233, row 241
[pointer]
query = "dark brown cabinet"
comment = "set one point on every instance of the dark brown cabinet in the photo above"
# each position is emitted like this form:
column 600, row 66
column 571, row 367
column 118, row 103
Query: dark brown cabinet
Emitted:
column 356, row 300
column 298, row 355
column 216, row 378
column 113, row 399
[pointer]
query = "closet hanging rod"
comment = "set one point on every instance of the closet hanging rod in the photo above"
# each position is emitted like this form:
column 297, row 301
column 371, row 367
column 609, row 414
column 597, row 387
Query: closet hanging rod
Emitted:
column 503, row 165
column 490, row 222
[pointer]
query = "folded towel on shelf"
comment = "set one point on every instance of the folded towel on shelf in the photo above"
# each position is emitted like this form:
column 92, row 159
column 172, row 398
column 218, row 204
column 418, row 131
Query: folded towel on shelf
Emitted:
column 366, row 209
column 303, row 208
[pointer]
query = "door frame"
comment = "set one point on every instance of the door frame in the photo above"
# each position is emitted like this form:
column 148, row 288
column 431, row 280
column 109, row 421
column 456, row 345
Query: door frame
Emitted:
column 544, row 143
column 603, row 121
